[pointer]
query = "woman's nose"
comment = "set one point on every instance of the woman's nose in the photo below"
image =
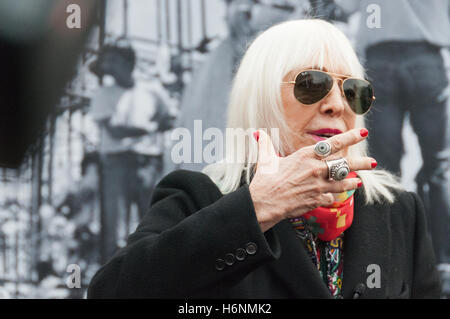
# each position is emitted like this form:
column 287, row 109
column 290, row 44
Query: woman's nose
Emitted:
column 334, row 103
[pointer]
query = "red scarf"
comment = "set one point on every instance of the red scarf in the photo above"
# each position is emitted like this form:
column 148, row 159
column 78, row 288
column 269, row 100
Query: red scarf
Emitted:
column 329, row 222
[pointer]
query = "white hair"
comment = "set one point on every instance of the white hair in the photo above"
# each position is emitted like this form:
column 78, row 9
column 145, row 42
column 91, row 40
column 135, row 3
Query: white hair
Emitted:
column 255, row 99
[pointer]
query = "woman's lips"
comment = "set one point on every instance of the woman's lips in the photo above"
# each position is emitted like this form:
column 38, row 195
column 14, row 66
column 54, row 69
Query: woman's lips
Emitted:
column 323, row 134
column 317, row 137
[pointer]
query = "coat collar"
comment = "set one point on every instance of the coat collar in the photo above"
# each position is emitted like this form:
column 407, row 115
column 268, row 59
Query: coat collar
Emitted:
column 366, row 242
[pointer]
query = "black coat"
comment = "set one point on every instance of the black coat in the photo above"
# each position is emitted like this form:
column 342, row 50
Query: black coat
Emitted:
column 175, row 250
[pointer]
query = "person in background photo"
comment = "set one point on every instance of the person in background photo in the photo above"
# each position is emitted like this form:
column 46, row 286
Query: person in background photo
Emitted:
column 404, row 60
column 131, row 119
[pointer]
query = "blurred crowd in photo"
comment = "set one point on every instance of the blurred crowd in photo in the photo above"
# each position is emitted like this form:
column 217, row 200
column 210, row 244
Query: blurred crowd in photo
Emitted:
column 152, row 66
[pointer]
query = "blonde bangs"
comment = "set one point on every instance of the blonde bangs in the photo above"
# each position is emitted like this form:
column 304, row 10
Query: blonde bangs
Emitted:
column 317, row 44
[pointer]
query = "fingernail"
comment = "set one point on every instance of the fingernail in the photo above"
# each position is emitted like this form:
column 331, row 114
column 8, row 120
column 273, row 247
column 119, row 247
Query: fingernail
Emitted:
column 359, row 184
column 364, row 132
column 374, row 164
column 256, row 135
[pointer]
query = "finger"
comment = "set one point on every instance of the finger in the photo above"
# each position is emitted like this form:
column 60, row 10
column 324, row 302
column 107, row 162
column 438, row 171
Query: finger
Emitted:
column 361, row 163
column 266, row 150
column 357, row 163
column 321, row 169
column 338, row 142
column 342, row 186
column 349, row 138
column 325, row 199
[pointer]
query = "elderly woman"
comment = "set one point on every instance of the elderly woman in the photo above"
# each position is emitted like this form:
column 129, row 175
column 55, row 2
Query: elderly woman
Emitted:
column 311, row 218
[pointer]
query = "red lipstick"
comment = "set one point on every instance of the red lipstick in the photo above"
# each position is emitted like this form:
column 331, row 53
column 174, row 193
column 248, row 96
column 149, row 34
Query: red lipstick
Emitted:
column 324, row 133
column 327, row 131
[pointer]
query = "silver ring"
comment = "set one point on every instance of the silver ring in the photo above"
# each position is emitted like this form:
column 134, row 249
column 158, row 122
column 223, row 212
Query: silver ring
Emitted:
column 338, row 169
column 322, row 148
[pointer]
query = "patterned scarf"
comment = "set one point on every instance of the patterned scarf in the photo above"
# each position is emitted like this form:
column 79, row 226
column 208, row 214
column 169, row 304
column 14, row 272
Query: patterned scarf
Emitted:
column 321, row 231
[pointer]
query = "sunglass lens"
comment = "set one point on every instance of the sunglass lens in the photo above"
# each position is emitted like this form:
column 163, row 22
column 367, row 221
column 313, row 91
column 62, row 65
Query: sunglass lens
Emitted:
column 359, row 94
column 312, row 86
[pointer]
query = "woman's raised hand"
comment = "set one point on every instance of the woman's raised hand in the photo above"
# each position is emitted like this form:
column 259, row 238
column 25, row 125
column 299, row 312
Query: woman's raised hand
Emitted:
column 287, row 187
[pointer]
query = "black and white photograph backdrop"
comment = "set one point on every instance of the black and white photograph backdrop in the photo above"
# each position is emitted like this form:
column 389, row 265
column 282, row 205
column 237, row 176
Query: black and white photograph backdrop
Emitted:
column 146, row 68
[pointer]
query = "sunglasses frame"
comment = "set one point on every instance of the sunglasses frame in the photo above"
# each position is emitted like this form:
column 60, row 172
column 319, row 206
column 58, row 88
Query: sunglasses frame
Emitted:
column 340, row 78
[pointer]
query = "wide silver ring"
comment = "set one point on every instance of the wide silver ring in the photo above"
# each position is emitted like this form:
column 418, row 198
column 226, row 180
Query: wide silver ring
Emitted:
column 322, row 148
column 338, row 169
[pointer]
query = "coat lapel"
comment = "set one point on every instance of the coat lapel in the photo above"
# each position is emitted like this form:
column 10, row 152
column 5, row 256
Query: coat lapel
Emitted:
column 294, row 268
column 367, row 244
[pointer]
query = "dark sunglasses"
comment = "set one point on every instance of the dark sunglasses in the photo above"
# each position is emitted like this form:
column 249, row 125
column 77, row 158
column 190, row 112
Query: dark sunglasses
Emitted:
column 311, row 86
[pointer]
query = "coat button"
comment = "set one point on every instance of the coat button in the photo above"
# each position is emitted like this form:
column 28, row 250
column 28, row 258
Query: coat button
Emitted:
column 240, row 254
column 220, row 264
column 251, row 248
column 229, row 259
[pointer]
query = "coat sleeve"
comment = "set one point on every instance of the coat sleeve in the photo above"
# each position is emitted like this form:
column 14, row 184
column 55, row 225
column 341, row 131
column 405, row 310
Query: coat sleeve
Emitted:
column 426, row 282
column 174, row 251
